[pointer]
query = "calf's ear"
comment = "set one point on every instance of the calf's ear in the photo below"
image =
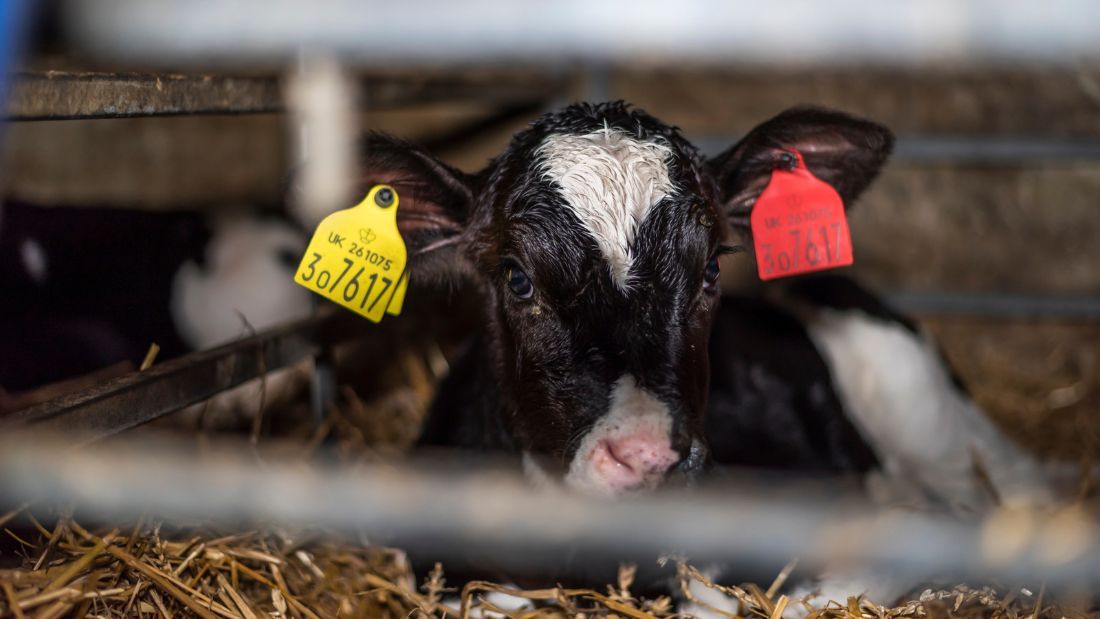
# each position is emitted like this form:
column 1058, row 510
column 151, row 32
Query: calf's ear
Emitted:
column 842, row 150
column 435, row 204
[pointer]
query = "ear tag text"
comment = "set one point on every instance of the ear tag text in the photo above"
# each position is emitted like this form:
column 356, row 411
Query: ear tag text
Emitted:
column 357, row 257
column 799, row 225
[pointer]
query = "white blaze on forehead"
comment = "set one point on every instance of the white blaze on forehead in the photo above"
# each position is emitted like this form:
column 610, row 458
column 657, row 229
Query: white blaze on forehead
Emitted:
column 610, row 181
column 633, row 410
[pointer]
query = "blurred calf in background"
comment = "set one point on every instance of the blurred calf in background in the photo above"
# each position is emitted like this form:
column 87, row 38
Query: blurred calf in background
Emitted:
column 88, row 288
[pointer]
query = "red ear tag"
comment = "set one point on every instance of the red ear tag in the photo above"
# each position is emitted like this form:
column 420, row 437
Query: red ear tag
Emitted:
column 799, row 225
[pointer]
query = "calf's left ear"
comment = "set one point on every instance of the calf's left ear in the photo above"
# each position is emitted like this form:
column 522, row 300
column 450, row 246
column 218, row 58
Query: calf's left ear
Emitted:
column 842, row 150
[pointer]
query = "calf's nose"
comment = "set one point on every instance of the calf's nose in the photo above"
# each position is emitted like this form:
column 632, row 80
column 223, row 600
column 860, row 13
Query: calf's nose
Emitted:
column 634, row 461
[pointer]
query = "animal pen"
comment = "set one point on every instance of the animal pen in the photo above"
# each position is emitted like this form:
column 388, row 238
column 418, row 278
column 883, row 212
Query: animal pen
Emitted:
column 983, row 227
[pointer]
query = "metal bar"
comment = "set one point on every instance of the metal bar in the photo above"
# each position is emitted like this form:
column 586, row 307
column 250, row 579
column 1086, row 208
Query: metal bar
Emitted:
column 497, row 86
column 449, row 512
column 322, row 105
column 492, row 123
column 597, row 83
column 66, row 95
column 136, row 398
column 972, row 150
column 383, row 33
column 995, row 150
column 14, row 16
column 60, row 95
column 991, row 304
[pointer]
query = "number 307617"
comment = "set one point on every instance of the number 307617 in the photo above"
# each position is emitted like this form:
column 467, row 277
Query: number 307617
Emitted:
column 805, row 249
column 324, row 281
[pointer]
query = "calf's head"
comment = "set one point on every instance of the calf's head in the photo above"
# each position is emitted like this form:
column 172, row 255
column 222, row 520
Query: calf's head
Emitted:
column 594, row 238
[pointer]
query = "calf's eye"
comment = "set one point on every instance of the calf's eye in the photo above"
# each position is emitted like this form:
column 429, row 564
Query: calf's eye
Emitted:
column 518, row 282
column 710, row 273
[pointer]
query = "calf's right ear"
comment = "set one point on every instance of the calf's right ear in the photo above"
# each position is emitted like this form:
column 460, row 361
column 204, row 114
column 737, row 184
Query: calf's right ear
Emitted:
column 435, row 204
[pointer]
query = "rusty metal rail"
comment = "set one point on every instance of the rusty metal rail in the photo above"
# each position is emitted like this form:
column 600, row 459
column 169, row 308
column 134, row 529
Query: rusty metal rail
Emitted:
column 70, row 95
column 64, row 95
column 138, row 397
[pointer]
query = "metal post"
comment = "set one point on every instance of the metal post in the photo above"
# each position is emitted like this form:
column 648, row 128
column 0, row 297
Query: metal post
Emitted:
column 320, row 98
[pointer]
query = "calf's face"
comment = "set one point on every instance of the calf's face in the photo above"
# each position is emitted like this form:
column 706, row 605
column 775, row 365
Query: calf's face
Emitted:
column 595, row 239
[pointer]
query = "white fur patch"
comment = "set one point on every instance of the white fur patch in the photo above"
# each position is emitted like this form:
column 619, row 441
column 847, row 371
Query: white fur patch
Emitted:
column 899, row 395
column 34, row 260
column 708, row 603
column 509, row 603
column 633, row 410
column 880, row 587
column 832, row 586
column 243, row 277
column 610, row 181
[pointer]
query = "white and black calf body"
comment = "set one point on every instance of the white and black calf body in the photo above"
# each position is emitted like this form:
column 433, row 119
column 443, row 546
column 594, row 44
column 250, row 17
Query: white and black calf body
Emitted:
column 850, row 385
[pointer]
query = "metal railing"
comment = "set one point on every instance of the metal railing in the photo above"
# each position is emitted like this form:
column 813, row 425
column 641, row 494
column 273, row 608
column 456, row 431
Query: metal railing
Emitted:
column 448, row 512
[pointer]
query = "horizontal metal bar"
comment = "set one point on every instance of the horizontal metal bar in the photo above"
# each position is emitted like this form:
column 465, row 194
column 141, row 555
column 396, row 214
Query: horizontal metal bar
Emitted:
column 492, row 124
column 58, row 95
column 971, row 150
column 138, row 397
column 497, row 87
column 450, row 512
column 993, row 150
column 1000, row 305
column 62, row 95
column 382, row 33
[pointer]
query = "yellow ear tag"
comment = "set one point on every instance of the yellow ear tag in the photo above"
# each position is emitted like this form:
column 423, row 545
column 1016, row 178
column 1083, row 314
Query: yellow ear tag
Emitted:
column 356, row 257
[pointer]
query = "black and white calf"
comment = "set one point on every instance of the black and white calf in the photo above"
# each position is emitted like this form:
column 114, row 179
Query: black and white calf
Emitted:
column 84, row 288
column 607, row 359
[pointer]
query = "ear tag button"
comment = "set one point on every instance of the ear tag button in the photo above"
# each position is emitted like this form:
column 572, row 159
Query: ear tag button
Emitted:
column 357, row 257
column 799, row 225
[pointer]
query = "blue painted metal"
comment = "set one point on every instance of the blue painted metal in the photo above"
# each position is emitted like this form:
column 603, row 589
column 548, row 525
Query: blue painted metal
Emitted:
column 13, row 23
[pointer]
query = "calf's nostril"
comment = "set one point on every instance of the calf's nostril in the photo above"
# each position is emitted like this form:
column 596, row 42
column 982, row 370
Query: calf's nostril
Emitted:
column 621, row 460
column 643, row 455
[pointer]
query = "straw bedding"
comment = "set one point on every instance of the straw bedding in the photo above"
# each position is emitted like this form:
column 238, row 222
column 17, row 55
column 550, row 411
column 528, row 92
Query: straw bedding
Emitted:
column 68, row 571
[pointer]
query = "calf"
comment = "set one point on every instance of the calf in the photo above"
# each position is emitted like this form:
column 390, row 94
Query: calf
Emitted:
column 606, row 359
column 85, row 288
